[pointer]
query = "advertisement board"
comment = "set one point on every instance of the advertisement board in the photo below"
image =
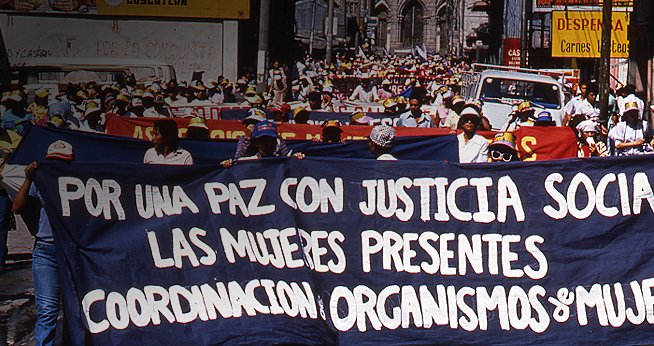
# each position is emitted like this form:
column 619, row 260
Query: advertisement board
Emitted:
column 616, row 3
column 578, row 34
column 511, row 52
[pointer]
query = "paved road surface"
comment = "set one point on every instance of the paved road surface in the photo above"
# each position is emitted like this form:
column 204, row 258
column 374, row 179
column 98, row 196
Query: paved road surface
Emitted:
column 17, row 308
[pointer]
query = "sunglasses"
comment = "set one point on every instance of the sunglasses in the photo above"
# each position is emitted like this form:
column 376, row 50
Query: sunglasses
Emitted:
column 498, row 155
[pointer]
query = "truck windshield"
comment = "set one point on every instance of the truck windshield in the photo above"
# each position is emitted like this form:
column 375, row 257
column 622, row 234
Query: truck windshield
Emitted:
column 543, row 94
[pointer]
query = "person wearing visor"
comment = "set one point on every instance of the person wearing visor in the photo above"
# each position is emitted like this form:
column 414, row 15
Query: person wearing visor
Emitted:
column 472, row 147
column 360, row 118
column 544, row 119
column 629, row 134
column 502, row 149
column 266, row 141
column 380, row 142
column 331, row 133
column 587, row 145
column 523, row 116
column 245, row 147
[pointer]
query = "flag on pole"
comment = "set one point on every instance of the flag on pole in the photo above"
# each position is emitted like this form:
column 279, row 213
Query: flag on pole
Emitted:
column 420, row 53
column 361, row 53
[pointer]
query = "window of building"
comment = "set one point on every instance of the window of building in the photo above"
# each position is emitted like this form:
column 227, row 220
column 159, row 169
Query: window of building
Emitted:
column 412, row 24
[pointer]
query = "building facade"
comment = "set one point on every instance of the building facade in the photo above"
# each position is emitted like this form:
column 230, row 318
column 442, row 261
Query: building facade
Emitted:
column 449, row 27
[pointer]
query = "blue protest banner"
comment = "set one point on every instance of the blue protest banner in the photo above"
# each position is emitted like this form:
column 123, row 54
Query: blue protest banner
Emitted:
column 106, row 148
column 356, row 252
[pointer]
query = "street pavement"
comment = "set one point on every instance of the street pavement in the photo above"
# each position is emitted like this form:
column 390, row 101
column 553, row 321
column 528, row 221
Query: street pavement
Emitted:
column 17, row 307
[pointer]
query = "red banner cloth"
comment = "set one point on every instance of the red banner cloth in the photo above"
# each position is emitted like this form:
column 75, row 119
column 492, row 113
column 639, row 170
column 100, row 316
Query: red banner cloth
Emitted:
column 533, row 143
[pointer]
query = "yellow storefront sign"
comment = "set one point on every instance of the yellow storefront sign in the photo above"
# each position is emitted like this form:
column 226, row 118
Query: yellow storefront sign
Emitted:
column 219, row 9
column 578, row 34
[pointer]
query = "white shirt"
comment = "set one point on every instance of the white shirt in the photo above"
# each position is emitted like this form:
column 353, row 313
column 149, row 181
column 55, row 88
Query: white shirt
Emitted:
column 177, row 157
column 623, row 133
column 572, row 105
column 407, row 120
column 514, row 125
column 476, row 150
column 362, row 95
column 386, row 157
column 152, row 113
column 587, row 109
column 171, row 102
column 218, row 98
column 452, row 121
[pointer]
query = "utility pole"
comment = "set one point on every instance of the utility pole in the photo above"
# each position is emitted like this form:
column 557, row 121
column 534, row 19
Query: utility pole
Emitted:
column 524, row 36
column 605, row 60
column 264, row 13
column 330, row 29
column 313, row 26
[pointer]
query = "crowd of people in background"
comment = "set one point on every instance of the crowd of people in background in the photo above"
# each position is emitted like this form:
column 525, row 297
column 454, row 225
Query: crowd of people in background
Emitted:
column 292, row 93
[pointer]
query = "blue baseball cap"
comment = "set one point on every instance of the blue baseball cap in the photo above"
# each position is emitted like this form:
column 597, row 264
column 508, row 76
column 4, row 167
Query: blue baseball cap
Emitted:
column 265, row 128
column 544, row 116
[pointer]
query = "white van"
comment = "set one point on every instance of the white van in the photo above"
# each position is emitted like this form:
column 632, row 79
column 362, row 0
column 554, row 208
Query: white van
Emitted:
column 500, row 88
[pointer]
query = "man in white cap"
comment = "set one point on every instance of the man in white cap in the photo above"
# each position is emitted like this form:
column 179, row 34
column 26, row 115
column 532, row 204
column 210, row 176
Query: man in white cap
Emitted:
column 136, row 109
column 380, row 142
column 629, row 134
column 44, row 262
column 628, row 95
column 157, row 109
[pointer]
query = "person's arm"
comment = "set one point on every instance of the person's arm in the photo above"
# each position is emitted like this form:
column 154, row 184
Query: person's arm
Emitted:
column 599, row 149
column 282, row 148
column 22, row 199
column 566, row 120
column 285, row 85
column 241, row 147
column 483, row 151
column 355, row 93
column 635, row 143
column 189, row 160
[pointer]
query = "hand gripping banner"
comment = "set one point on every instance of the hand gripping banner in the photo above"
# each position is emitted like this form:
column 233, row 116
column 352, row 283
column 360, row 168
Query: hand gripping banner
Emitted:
column 355, row 252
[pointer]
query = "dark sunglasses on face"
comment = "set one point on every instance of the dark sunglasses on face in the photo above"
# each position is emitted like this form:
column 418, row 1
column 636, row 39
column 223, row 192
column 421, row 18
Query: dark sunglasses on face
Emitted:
column 498, row 155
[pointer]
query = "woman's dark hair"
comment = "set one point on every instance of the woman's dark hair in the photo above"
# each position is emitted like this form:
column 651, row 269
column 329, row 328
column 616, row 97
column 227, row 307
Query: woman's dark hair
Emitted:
column 167, row 129
column 314, row 96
